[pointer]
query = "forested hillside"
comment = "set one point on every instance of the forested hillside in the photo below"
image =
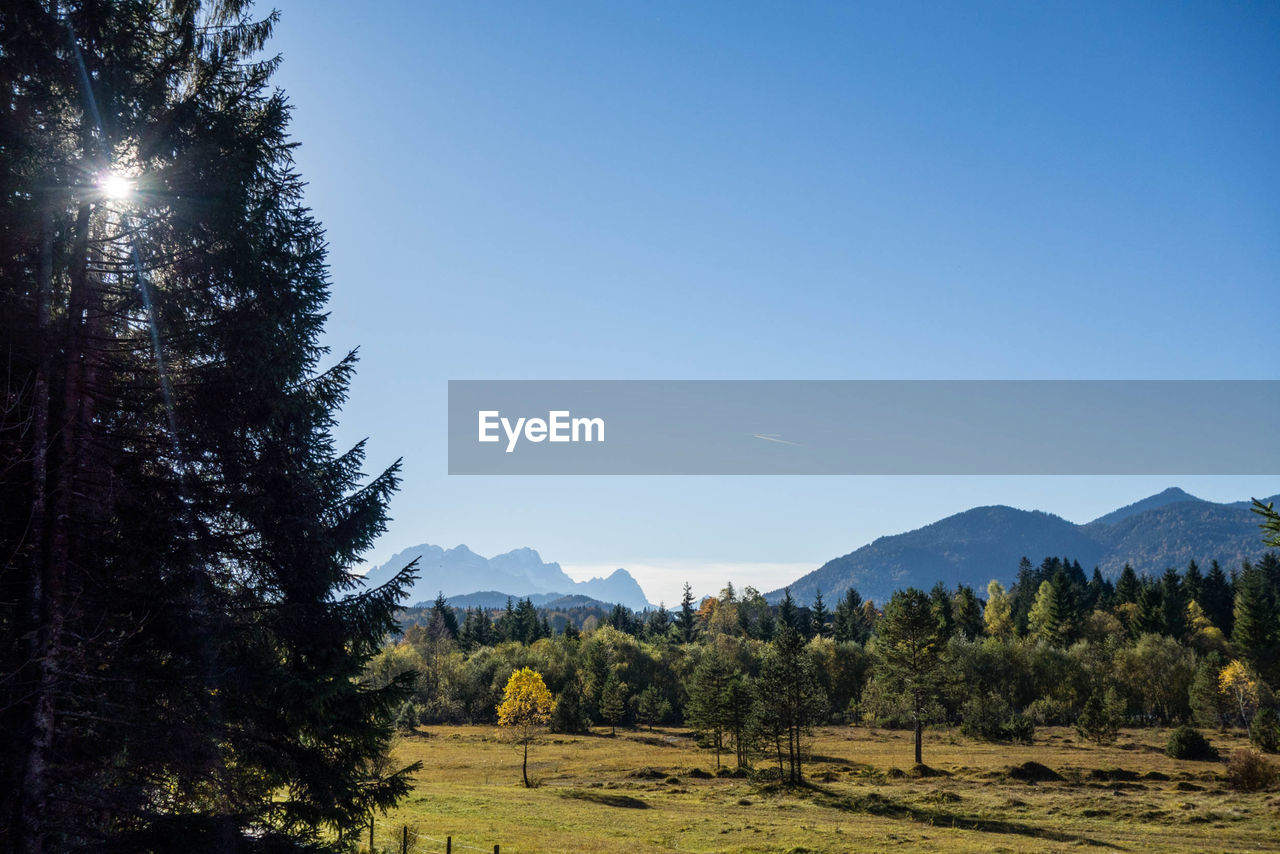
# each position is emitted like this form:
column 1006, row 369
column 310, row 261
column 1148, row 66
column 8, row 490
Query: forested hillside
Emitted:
column 1168, row 529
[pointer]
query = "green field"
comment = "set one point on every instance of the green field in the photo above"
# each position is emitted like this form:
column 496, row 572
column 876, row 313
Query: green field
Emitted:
column 647, row 792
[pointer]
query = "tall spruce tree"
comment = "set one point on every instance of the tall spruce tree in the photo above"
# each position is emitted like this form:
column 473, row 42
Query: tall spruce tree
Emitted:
column 1217, row 599
column 940, row 599
column 687, row 618
column 1193, row 581
column 909, row 645
column 1128, row 587
column 788, row 613
column 847, row 623
column 1099, row 593
column 1023, row 594
column 1257, row 626
column 819, row 616
column 181, row 635
column 443, row 616
column 1173, row 604
column 789, row 701
column 709, row 710
column 967, row 610
column 1150, row 616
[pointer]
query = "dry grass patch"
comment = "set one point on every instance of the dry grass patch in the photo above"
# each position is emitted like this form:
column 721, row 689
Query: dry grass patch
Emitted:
column 643, row 792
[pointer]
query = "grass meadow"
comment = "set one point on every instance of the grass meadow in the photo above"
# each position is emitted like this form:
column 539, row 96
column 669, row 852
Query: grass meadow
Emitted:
column 640, row 791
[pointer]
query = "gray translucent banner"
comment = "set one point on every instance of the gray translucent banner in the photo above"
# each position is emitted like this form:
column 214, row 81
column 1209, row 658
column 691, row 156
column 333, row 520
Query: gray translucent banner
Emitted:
column 714, row 427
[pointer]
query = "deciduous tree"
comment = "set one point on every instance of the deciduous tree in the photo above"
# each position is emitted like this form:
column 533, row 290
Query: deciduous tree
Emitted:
column 525, row 709
column 998, row 615
column 1239, row 684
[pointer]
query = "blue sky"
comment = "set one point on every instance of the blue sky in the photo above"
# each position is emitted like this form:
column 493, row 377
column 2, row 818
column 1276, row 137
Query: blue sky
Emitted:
column 779, row 191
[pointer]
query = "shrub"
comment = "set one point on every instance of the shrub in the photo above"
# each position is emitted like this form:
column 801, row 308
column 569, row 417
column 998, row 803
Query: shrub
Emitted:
column 984, row 717
column 1264, row 731
column 1250, row 771
column 991, row 718
column 1047, row 711
column 1019, row 728
column 1187, row 742
column 883, row 707
column 408, row 717
column 570, row 715
column 1101, row 717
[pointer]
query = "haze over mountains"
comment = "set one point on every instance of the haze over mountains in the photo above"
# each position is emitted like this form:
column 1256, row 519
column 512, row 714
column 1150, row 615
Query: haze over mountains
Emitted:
column 1167, row 529
column 459, row 571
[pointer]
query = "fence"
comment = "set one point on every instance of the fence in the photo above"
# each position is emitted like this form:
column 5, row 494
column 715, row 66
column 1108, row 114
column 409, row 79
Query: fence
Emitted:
column 408, row 840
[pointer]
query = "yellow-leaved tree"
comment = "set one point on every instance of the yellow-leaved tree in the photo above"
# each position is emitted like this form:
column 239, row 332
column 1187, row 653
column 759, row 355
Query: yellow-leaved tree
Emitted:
column 1240, row 684
column 998, row 615
column 525, row 709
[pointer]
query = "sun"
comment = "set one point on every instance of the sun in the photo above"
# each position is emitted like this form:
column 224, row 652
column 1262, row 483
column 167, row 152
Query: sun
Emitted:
column 115, row 186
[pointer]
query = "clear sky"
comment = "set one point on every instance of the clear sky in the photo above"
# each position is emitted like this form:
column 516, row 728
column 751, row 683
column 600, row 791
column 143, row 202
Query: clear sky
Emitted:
column 735, row 190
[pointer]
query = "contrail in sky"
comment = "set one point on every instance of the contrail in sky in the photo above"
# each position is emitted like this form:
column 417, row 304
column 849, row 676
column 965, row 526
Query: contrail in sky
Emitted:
column 773, row 437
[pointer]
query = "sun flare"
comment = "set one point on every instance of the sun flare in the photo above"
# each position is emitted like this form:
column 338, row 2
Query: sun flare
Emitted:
column 115, row 186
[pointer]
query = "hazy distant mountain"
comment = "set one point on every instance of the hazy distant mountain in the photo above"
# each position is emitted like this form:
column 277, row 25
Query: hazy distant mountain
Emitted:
column 1168, row 529
column 491, row 599
column 522, row 572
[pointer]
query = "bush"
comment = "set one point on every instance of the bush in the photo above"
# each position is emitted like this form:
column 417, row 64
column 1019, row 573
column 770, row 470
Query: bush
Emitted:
column 991, row 718
column 1101, row 717
column 407, row 718
column 1264, row 731
column 570, row 715
column 884, row 707
column 1050, row 712
column 984, row 717
column 1250, row 771
column 1019, row 728
column 1187, row 742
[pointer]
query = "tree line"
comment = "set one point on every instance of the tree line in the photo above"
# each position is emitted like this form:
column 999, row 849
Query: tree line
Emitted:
column 1059, row 647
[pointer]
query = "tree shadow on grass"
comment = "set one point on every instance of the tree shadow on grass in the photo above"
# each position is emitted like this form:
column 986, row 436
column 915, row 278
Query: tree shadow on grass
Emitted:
column 605, row 799
column 878, row 805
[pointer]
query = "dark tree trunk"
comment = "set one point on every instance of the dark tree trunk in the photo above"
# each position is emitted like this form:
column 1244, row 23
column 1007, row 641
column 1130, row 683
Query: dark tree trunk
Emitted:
column 795, row 754
column 53, row 567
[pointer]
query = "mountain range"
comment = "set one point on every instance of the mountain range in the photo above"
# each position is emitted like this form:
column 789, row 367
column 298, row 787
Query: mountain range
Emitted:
column 1167, row 529
column 458, row 571
column 492, row 600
